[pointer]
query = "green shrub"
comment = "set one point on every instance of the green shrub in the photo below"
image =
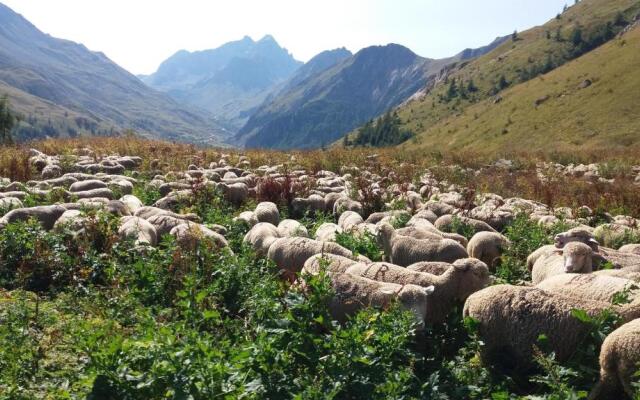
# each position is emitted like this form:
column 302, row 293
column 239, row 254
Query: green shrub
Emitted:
column 360, row 244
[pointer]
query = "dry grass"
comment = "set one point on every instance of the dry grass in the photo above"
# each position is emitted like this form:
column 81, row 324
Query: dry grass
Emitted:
column 407, row 166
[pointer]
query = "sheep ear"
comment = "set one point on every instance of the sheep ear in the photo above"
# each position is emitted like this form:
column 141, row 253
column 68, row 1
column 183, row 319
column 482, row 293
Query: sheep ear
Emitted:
column 593, row 244
column 429, row 290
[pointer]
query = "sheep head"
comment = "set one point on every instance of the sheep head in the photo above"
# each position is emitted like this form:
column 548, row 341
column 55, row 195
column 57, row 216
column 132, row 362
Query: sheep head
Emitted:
column 385, row 234
column 576, row 235
column 469, row 275
column 578, row 257
column 414, row 298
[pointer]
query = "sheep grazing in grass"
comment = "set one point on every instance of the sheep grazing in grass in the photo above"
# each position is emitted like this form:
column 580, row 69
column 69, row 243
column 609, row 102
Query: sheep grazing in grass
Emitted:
column 46, row 215
column 132, row 202
column 90, row 184
column 511, row 319
column 619, row 362
column 260, row 237
column 235, row 193
column 291, row 228
column 331, row 263
column 445, row 223
column 247, row 217
column 590, row 286
column 403, row 250
column 165, row 223
column 343, row 204
column 576, row 235
column 267, row 212
column 312, row 204
column 462, row 279
column 139, row 229
column 353, row 294
column 541, row 252
column 290, row 254
column 327, row 232
column 349, row 219
column 575, row 257
column 188, row 235
column 488, row 247
column 147, row 212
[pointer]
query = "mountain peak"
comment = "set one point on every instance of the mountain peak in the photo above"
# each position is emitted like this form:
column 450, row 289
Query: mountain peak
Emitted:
column 267, row 38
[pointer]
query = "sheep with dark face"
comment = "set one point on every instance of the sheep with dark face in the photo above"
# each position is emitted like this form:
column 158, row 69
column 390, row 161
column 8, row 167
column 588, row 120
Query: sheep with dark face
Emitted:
column 404, row 250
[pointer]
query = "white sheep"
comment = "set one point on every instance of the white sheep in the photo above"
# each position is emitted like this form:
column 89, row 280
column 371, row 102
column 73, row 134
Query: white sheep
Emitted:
column 453, row 286
column 260, row 237
column 267, row 212
column 511, row 319
column 139, row 229
column 619, row 362
column 575, row 257
column 589, row 286
column 291, row 228
column 488, row 247
column 353, row 294
column 327, row 232
column 290, row 254
column 404, row 250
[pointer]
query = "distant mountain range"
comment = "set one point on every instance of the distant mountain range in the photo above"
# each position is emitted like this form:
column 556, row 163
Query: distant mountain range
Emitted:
column 342, row 94
column 229, row 81
column 63, row 89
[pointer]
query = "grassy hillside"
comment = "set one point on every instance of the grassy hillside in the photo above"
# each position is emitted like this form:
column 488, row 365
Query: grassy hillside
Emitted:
column 443, row 109
column 555, row 107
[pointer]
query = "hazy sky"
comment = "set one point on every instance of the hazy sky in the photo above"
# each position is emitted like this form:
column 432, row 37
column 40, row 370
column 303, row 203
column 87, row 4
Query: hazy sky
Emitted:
column 140, row 34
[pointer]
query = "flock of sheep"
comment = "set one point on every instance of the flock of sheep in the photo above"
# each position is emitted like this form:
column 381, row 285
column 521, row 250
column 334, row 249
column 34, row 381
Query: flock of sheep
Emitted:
column 427, row 269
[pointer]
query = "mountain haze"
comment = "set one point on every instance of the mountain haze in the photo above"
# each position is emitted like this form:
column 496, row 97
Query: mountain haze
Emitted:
column 228, row 81
column 325, row 105
column 88, row 92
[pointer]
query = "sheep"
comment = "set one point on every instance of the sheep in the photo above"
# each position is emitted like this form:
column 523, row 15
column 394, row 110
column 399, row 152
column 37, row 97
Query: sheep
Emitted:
column 267, row 212
column 609, row 234
column 89, row 194
column 138, row 228
column 420, row 231
column 147, row 212
column 188, row 235
column 589, row 286
column 235, row 193
column 403, row 250
column 353, row 294
column 343, row 204
column 46, row 215
column 70, row 219
column 619, row 361
column 330, row 200
column 512, row 318
column 132, row 202
column 260, row 237
column 630, row 248
column 248, row 217
column 331, row 263
column 462, row 279
column 165, row 223
column 327, row 232
column 290, row 228
column 445, row 223
column 10, row 203
column 312, row 204
column 431, row 267
column 90, row 184
column 488, row 247
column 348, row 220
column 575, row 257
column 541, row 252
column 290, row 254
column 576, row 235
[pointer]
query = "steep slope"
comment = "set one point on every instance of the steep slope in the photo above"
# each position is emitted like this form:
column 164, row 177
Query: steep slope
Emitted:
column 590, row 102
column 228, row 81
column 328, row 104
column 433, row 112
column 66, row 75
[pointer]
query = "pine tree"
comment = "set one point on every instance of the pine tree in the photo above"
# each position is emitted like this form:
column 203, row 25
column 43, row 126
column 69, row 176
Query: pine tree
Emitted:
column 7, row 122
column 471, row 87
column 502, row 83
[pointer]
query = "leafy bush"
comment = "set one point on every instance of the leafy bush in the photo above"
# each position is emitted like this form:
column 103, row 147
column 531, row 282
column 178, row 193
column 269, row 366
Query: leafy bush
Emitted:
column 362, row 243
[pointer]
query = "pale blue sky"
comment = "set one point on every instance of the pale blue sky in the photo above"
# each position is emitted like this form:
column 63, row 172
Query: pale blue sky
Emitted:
column 139, row 34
